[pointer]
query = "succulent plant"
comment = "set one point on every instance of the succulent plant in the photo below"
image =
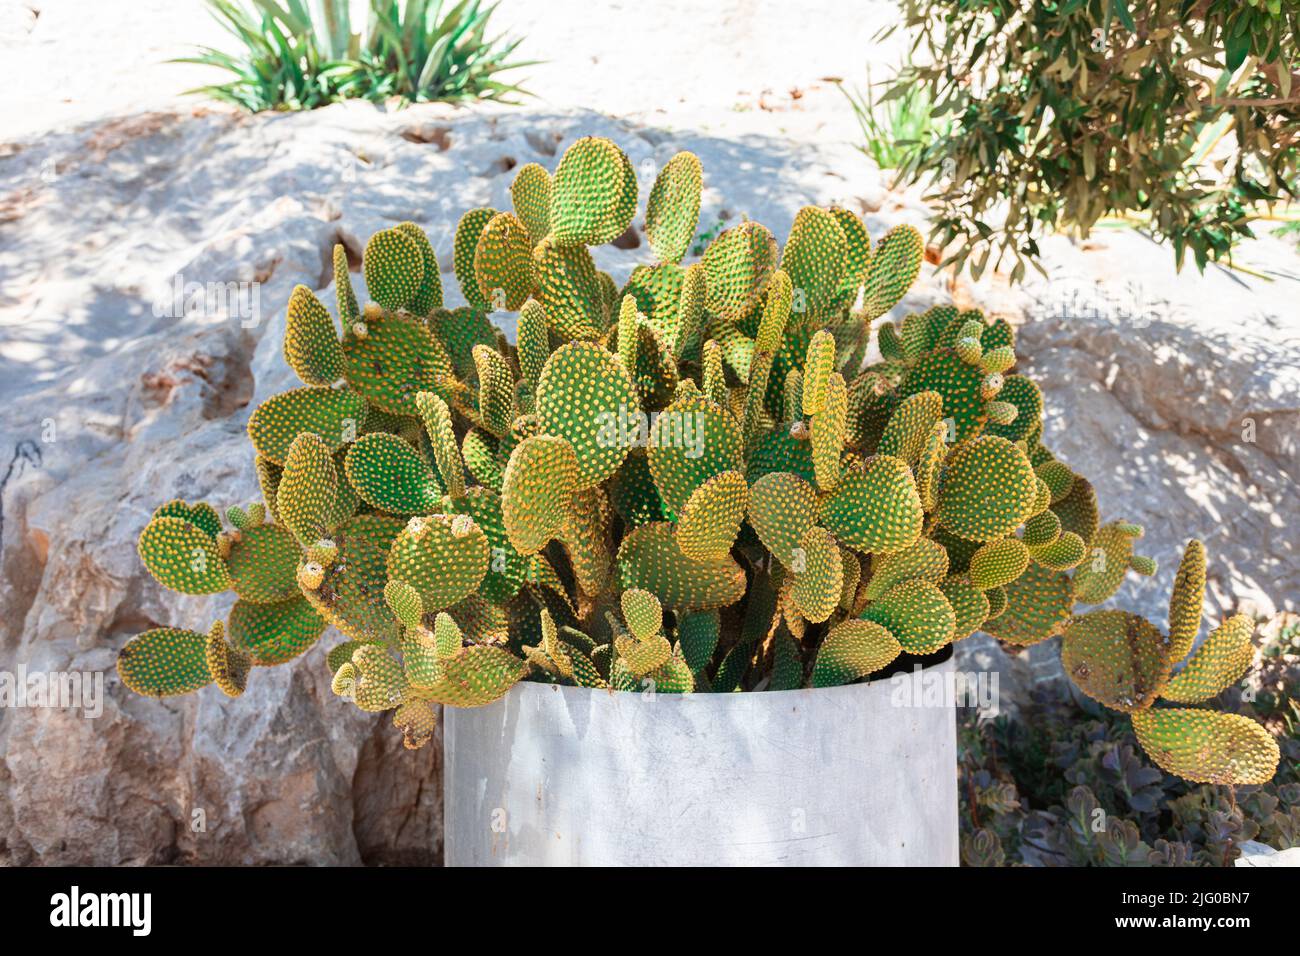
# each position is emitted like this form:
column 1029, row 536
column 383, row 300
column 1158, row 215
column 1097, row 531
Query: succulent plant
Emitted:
column 696, row 482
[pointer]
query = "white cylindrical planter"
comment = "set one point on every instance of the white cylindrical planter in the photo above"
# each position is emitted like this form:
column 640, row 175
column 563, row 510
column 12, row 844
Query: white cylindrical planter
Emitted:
column 858, row 775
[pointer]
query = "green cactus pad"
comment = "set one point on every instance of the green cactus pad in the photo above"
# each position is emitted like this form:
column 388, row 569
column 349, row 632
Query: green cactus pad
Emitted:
column 442, row 439
column 228, row 665
column 458, row 331
column 530, row 194
column 857, row 255
column 333, row 415
column 969, row 604
column 827, row 432
column 496, row 396
column 925, row 560
column 1027, row 399
column 417, row 722
column 643, row 613
column 201, row 514
column 507, row 568
column 275, row 633
column 1207, row 747
column 691, row 441
column 1186, row 600
column 737, row 266
column 351, row 594
column 569, row 289
column 698, row 634
column 875, row 507
column 1116, row 658
column 464, row 250
column 394, row 268
column 640, row 657
column 911, row 425
column 311, row 344
column 585, row 535
column 1102, row 571
column 1038, row 606
column 634, row 494
column 814, row 257
column 917, row 614
column 1064, row 553
column 657, row 293
column 998, row 563
column 539, row 483
column 263, row 564
column 443, row 557
column 183, row 557
column 396, row 359
column 1043, row 528
column 583, row 395
column 1223, row 657
column 957, row 383
column 428, row 296
column 164, row 662
column 929, row 464
column 779, row 450
column 405, row 602
column 782, row 509
column 593, row 196
column 503, row 265
column 476, row 676
column 673, row 209
column 710, row 520
column 997, row 602
column 818, row 575
column 344, row 295
column 381, row 682
column 534, row 341
column 852, row 650
column 895, row 264
column 390, row 475
column 1078, row 510
column 1059, row 478
column 649, row 558
column 420, row 663
column 986, row 489
column 307, row 489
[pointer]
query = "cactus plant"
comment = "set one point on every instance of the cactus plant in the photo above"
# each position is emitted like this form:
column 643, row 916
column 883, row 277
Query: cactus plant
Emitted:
column 694, row 483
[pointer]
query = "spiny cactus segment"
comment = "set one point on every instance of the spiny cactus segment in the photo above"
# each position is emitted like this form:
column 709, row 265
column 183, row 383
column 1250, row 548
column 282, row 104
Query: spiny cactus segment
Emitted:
column 692, row 483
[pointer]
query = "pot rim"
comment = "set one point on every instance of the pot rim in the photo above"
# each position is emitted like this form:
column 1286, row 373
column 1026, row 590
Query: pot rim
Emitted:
column 875, row 682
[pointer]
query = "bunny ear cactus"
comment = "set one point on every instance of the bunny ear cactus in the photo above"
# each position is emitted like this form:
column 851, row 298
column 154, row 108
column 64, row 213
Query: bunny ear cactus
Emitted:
column 695, row 482
column 1124, row 661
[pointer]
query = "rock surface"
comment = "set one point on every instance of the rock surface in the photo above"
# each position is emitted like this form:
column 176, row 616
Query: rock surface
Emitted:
column 113, row 403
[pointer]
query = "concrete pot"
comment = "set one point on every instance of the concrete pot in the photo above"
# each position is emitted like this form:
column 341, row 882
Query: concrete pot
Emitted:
column 552, row 775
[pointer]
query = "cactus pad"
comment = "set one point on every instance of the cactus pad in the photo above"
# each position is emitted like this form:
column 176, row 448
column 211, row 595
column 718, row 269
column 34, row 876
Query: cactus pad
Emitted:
column 394, row 268
column 851, row 650
column 1207, row 747
column 986, row 489
column 183, row 557
column 1116, row 658
column 583, row 397
column 875, row 507
column 1222, row 659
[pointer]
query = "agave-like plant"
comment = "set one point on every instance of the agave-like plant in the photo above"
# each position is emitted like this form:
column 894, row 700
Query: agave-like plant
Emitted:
column 297, row 55
column 695, row 483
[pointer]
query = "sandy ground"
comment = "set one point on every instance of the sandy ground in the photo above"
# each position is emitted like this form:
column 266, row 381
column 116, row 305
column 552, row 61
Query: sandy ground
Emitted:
column 79, row 60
